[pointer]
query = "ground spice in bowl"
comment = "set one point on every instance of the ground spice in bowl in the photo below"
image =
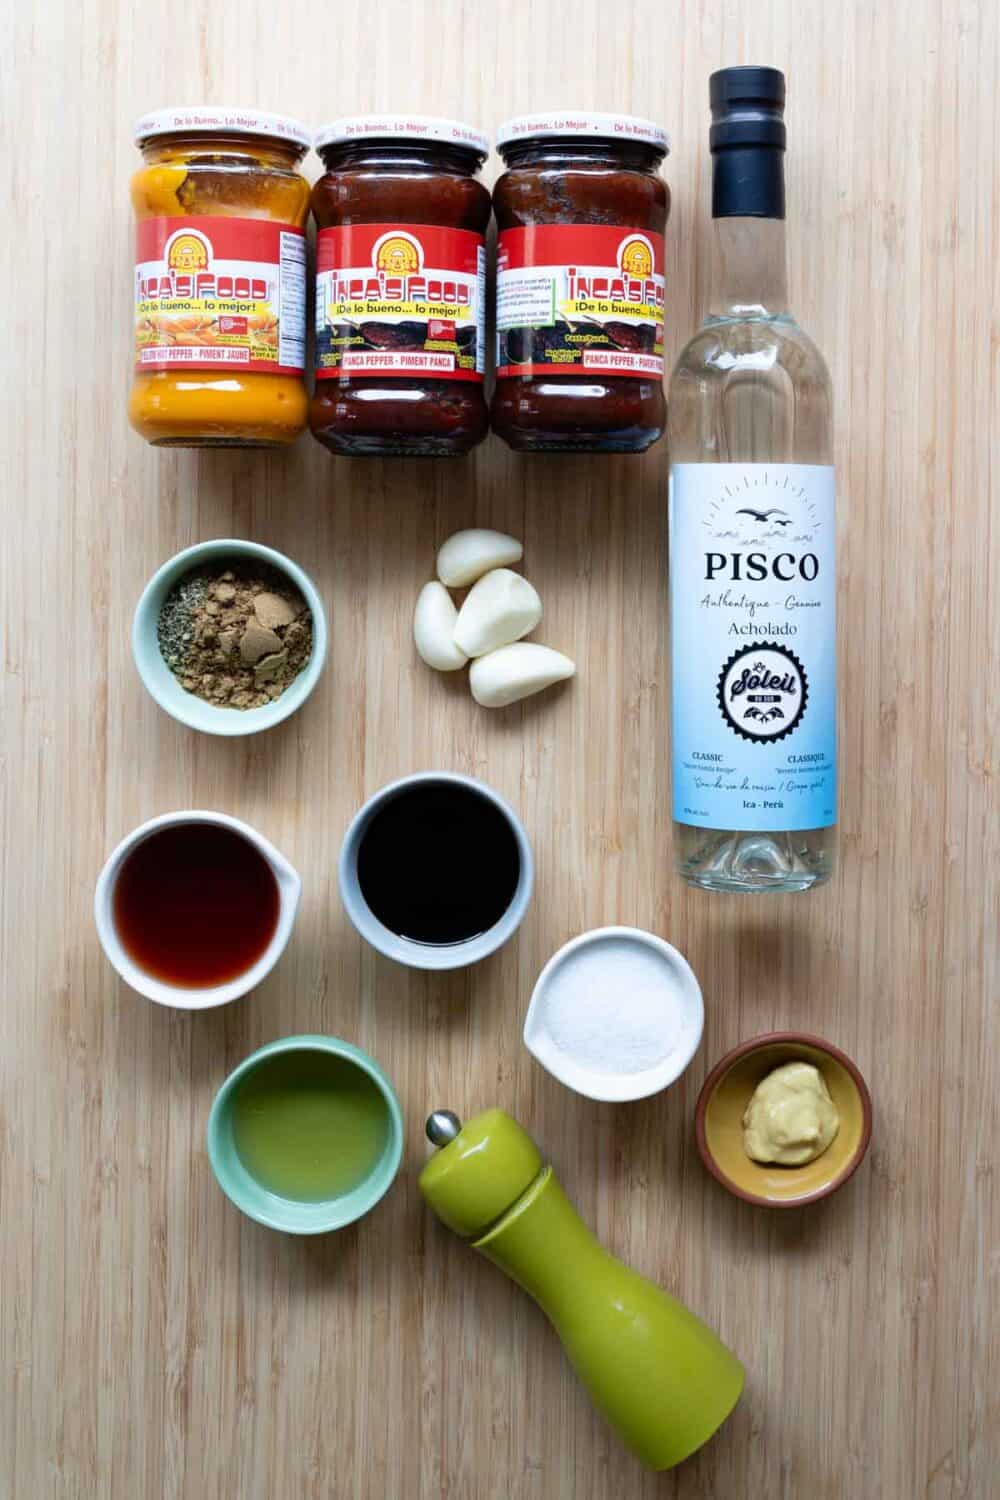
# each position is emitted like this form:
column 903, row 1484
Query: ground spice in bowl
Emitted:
column 235, row 636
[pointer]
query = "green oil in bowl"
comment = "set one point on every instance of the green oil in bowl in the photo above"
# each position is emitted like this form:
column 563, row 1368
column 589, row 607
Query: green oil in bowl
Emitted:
column 309, row 1125
column 306, row 1135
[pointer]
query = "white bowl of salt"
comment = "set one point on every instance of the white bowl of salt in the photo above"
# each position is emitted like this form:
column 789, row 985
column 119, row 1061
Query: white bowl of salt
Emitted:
column 616, row 1014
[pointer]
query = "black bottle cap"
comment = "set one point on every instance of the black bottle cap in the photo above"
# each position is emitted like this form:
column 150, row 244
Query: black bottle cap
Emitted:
column 748, row 106
column 747, row 140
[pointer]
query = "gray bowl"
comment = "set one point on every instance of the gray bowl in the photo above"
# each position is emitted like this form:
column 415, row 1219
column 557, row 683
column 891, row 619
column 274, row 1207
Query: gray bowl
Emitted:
column 429, row 955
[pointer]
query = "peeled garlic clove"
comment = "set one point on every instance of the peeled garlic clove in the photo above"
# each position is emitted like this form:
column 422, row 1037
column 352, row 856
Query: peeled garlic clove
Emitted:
column 434, row 629
column 516, row 672
column 500, row 608
column 467, row 555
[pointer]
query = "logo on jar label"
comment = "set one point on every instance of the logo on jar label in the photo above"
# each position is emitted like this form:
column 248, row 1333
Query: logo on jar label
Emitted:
column 762, row 691
column 397, row 282
column 218, row 291
column 398, row 254
column 636, row 256
column 188, row 274
column 584, row 296
column 633, row 289
column 188, row 251
column 392, row 302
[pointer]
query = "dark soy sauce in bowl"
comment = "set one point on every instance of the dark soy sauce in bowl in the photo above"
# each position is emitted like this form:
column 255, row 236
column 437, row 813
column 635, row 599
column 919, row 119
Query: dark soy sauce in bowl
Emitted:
column 438, row 863
column 195, row 904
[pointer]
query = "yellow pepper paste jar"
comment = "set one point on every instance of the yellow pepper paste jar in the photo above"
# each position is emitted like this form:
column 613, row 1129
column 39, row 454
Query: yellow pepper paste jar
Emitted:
column 220, row 279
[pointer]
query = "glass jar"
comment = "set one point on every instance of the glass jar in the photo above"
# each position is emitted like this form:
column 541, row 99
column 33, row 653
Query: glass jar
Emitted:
column 400, row 287
column 220, row 212
column 581, row 212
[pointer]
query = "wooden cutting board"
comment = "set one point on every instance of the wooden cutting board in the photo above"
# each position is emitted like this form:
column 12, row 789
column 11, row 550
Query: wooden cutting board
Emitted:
column 153, row 1344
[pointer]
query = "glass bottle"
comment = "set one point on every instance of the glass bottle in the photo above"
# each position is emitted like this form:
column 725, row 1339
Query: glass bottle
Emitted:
column 753, row 573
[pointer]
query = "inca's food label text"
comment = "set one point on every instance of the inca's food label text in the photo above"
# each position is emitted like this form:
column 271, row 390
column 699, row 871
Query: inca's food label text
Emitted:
column 394, row 301
column 215, row 292
column 753, row 646
column 574, row 297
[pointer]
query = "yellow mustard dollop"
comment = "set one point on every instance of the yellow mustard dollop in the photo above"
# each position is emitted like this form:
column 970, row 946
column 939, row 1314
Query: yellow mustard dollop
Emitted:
column 791, row 1118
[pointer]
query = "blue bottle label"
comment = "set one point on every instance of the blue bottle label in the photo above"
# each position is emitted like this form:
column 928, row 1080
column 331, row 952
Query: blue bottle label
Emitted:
column 753, row 646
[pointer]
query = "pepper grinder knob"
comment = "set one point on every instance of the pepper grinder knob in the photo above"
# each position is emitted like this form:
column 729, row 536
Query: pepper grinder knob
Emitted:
column 442, row 1126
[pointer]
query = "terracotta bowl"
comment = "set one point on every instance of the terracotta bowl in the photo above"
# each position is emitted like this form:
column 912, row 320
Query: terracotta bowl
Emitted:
column 726, row 1093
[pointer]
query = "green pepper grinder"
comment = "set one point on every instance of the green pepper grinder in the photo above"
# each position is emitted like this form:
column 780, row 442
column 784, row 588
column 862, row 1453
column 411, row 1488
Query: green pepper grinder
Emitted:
column 661, row 1378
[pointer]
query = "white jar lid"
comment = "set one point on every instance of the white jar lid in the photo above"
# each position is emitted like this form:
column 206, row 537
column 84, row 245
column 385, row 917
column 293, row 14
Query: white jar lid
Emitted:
column 211, row 119
column 402, row 128
column 569, row 125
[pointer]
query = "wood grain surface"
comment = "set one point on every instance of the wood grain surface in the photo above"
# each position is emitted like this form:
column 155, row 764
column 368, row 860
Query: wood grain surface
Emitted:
column 154, row 1344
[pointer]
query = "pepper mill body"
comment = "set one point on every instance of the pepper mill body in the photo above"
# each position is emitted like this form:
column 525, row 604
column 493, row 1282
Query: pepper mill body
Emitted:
column 660, row 1376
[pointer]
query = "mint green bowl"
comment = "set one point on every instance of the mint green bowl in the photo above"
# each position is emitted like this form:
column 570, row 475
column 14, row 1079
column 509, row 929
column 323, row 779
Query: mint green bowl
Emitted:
column 292, row 1215
column 161, row 684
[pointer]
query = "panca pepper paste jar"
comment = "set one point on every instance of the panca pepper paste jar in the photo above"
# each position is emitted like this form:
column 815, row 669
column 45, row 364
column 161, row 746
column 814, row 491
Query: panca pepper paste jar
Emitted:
column 220, row 279
column 581, row 213
column 400, row 287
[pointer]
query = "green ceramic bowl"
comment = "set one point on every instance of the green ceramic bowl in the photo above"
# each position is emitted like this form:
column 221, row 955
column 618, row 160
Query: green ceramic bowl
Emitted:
column 187, row 708
column 292, row 1215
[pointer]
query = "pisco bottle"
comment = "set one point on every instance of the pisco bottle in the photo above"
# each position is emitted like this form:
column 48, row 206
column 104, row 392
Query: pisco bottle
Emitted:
column 752, row 539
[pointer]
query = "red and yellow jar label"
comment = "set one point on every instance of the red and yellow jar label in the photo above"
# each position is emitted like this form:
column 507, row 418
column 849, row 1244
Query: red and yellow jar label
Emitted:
column 395, row 300
column 580, row 297
column 214, row 291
